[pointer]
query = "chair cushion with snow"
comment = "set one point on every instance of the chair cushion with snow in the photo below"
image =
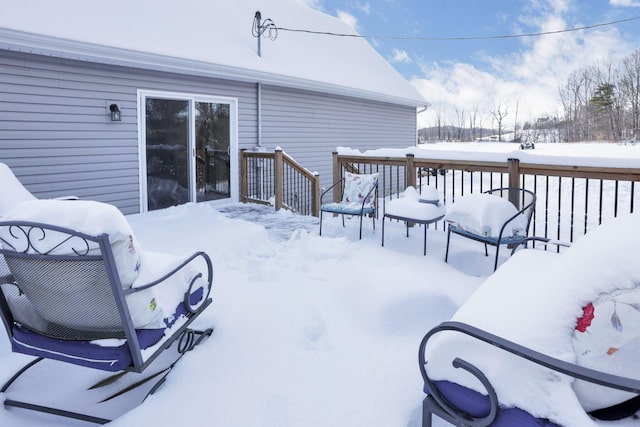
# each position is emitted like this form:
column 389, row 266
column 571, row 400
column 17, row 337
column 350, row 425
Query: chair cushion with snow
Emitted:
column 88, row 217
column 484, row 215
column 150, row 308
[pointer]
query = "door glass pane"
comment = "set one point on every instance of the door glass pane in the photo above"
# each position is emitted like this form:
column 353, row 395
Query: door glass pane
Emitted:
column 167, row 147
column 212, row 151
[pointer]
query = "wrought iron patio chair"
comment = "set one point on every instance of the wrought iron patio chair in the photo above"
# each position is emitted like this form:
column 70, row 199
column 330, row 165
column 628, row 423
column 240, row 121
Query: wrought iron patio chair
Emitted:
column 358, row 194
column 508, row 232
column 462, row 406
column 64, row 298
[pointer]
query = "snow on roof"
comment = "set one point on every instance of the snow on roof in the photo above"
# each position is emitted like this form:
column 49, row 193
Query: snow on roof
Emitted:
column 211, row 38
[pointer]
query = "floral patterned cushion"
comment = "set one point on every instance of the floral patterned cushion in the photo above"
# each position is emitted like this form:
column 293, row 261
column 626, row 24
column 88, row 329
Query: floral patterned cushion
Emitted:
column 357, row 188
column 607, row 338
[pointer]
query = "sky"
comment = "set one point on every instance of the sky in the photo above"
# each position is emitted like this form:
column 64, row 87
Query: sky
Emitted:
column 484, row 74
column 323, row 331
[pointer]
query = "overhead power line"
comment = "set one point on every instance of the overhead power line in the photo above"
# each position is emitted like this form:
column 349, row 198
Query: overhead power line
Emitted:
column 512, row 36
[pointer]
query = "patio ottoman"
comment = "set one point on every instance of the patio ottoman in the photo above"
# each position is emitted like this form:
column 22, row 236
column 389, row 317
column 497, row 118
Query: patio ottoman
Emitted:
column 415, row 209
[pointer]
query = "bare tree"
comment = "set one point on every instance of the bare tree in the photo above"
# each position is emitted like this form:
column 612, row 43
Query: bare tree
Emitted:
column 460, row 123
column 499, row 112
column 575, row 97
column 515, row 124
column 630, row 88
column 473, row 121
column 439, row 124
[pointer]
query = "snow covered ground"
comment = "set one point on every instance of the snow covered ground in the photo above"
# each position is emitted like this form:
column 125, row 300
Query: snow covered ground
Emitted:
column 309, row 330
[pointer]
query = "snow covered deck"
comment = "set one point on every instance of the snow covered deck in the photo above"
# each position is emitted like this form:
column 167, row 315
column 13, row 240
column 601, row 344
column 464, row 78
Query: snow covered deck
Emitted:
column 309, row 331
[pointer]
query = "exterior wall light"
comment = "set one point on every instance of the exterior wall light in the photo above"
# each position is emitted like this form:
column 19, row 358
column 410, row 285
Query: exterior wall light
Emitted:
column 115, row 112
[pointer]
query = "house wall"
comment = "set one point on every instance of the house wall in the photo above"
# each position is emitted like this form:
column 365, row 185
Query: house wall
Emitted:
column 56, row 133
column 57, row 136
column 309, row 127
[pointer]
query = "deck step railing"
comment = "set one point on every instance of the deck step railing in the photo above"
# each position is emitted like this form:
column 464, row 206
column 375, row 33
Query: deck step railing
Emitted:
column 274, row 178
column 571, row 199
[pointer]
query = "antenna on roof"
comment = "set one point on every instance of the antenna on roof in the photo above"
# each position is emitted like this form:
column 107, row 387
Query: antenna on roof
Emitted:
column 267, row 29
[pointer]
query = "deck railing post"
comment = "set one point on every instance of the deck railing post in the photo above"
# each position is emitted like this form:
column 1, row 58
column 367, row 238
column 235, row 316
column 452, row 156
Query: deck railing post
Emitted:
column 410, row 171
column 337, row 176
column 514, row 181
column 315, row 202
column 278, row 178
column 243, row 176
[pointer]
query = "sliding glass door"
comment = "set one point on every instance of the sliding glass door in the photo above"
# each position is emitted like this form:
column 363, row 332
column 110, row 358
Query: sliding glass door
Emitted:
column 187, row 145
column 213, row 149
column 167, row 152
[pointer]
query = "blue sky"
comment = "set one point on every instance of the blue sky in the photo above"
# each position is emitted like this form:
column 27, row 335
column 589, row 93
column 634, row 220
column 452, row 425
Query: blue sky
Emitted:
column 482, row 74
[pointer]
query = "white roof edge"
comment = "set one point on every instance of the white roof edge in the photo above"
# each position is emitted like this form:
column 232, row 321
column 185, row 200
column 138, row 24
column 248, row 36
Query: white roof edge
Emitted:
column 21, row 41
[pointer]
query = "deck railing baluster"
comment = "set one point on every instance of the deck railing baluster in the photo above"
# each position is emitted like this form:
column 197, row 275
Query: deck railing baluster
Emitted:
column 448, row 176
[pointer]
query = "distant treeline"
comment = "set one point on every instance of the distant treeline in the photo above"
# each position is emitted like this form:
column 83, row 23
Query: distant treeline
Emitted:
column 599, row 102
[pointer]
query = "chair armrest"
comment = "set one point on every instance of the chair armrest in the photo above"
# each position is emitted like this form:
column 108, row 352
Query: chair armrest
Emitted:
column 193, row 258
column 570, row 369
column 330, row 188
column 543, row 240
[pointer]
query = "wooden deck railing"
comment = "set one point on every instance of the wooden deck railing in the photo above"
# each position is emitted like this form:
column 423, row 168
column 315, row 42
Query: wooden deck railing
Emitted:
column 274, row 178
column 570, row 199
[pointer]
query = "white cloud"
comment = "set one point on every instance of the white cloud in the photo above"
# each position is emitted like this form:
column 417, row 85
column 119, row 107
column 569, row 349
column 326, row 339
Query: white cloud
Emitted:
column 400, row 56
column 348, row 19
column 625, row 3
column 531, row 77
column 364, row 7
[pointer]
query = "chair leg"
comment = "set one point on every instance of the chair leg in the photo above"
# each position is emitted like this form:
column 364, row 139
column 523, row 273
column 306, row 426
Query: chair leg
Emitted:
column 495, row 264
column 361, row 227
column 321, row 223
column 425, row 239
column 446, row 254
column 382, row 231
column 343, row 220
column 486, row 250
column 426, row 413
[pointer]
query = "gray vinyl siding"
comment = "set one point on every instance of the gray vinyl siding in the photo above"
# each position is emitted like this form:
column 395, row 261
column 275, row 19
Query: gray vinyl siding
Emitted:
column 309, row 126
column 57, row 136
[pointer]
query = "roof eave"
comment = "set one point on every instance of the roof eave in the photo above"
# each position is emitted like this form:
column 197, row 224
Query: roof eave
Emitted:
column 37, row 44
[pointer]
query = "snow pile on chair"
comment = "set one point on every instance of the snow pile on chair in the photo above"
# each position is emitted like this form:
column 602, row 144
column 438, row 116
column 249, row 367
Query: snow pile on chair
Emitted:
column 149, row 308
column 535, row 299
column 484, row 215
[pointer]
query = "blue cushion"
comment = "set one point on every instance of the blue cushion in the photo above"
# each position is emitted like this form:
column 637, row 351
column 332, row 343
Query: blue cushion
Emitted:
column 506, row 240
column 88, row 353
column 83, row 353
column 477, row 405
column 347, row 209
